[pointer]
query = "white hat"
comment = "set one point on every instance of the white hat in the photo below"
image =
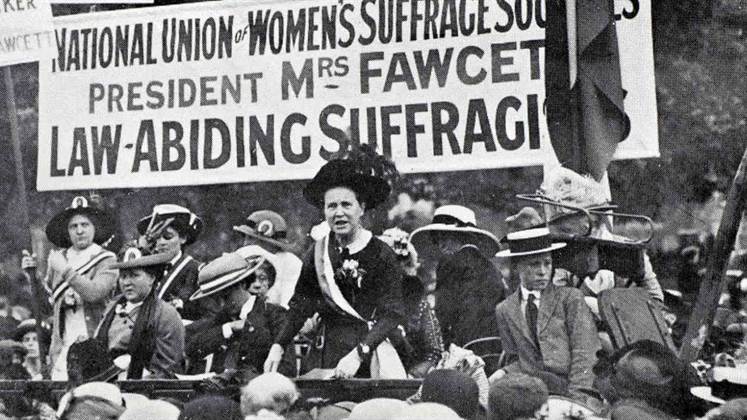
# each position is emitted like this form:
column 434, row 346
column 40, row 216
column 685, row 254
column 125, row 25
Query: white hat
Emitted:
column 457, row 220
column 529, row 242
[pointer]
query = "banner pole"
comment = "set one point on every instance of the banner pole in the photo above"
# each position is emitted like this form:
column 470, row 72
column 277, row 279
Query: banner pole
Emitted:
column 10, row 100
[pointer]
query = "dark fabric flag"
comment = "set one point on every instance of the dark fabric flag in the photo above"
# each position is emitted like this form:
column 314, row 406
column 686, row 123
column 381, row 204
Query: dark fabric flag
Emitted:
column 586, row 120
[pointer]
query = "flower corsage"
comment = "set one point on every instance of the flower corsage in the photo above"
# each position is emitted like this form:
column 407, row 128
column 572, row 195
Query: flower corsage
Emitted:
column 350, row 273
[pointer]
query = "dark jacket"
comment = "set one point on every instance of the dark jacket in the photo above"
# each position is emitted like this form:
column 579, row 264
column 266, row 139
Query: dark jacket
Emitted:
column 245, row 350
column 468, row 286
column 180, row 282
column 378, row 299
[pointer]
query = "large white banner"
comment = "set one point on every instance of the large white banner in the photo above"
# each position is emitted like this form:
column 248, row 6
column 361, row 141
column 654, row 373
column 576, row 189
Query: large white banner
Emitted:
column 226, row 92
column 26, row 32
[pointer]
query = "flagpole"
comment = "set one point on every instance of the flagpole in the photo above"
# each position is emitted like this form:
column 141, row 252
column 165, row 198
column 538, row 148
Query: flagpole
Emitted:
column 570, row 19
column 10, row 100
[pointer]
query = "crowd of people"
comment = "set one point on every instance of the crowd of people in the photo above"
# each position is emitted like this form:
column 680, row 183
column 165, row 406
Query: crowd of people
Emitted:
column 515, row 328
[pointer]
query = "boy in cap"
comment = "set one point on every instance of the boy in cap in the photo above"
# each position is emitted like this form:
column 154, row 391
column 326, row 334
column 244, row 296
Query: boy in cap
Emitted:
column 546, row 331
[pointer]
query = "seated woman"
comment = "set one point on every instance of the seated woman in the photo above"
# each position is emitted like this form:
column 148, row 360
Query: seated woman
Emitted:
column 240, row 334
column 420, row 343
column 141, row 325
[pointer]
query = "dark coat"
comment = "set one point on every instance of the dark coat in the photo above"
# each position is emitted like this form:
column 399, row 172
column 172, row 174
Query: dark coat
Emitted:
column 180, row 282
column 567, row 336
column 468, row 286
column 379, row 299
column 245, row 350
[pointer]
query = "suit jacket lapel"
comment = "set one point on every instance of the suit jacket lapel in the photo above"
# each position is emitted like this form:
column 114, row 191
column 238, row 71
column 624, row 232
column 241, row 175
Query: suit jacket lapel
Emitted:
column 517, row 316
column 548, row 303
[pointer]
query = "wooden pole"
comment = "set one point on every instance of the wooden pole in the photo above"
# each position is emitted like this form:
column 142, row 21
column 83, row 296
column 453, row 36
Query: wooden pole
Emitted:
column 701, row 319
column 38, row 301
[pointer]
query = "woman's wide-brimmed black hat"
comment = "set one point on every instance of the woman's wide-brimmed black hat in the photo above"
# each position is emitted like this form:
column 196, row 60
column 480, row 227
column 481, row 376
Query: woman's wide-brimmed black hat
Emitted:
column 29, row 325
column 57, row 227
column 371, row 189
column 184, row 221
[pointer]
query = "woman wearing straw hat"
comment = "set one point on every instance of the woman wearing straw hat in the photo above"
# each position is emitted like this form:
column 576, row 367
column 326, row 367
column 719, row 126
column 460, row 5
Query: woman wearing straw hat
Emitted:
column 351, row 278
column 170, row 229
column 81, row 276
column 468, row 286
column 140, row 325
column 241, row 333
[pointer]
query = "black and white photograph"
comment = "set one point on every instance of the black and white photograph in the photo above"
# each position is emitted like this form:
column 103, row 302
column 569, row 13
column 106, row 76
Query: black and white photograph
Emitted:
column 373, row 209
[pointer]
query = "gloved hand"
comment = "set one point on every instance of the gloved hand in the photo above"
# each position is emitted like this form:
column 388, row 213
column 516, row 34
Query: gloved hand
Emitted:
column 273, row 358
column 348, row 366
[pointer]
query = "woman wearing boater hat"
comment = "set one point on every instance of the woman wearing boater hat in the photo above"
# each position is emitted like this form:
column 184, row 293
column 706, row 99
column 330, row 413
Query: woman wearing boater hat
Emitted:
column 81, row 276
column 351, row 278
column 141, row 325
column 170, row 229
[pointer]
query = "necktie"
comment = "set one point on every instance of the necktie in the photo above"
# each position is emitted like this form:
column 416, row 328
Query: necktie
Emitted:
column 531, row 315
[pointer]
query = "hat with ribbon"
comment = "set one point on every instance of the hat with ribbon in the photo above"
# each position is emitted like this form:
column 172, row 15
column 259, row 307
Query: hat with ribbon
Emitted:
column 184, row 221
column 458, row 221
column 266, row 226
column 224, row 272
column 135, row 258
column 726, row 383
column 529, row 242
column 103, row 223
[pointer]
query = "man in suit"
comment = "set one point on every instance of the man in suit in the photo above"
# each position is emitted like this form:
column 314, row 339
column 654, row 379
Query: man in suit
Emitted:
column 546, row 331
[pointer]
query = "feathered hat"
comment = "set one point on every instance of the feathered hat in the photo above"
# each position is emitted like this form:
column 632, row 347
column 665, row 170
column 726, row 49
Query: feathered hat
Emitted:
column 567, row 187
column 359, row 168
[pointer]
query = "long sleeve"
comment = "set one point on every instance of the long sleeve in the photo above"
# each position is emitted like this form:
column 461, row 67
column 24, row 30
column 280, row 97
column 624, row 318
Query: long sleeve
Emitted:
column 389, row 306
column 97, row 287
column 650, row 282
column 168, row 357
column 584, row 341
column 305, row 301
column 205, row 336
column 510, row 348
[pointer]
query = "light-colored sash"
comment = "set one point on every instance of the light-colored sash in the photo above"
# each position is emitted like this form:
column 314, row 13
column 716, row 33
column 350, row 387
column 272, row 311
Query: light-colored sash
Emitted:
column 173, row 275
column 385, row 362
column 60, row 289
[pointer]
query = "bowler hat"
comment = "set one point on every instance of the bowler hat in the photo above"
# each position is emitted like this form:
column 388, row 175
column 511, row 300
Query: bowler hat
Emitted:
column 103, row 223
column 370, row 188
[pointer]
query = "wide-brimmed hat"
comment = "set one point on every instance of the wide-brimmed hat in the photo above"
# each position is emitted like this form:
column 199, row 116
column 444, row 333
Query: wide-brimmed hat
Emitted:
column 11, row 346
column 454, row 220
column 266, row 226
column 371, row 189
column 567, row 187
column 29, row 325
column 103, row 223
column 529, row 242
column 224, row 272
column 185, row 222
column 94, row 362
column 134, row 258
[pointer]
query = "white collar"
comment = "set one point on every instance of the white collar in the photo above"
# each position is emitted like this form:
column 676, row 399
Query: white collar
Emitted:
column 360, row 242
column 247, row 307
column 526, row 292
column 175, row 259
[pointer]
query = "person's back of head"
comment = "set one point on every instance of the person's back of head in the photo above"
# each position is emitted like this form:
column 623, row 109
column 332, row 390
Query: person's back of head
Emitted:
column 269, row 391
column 151, row 410
column 211, row 407
column 454, row 389
column 427, row 411
column 516, row 396
column 377, row 408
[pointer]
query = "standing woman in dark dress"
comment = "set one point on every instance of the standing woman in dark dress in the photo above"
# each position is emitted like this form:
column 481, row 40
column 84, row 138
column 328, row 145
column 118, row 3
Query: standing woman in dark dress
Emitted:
column 351, row 278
